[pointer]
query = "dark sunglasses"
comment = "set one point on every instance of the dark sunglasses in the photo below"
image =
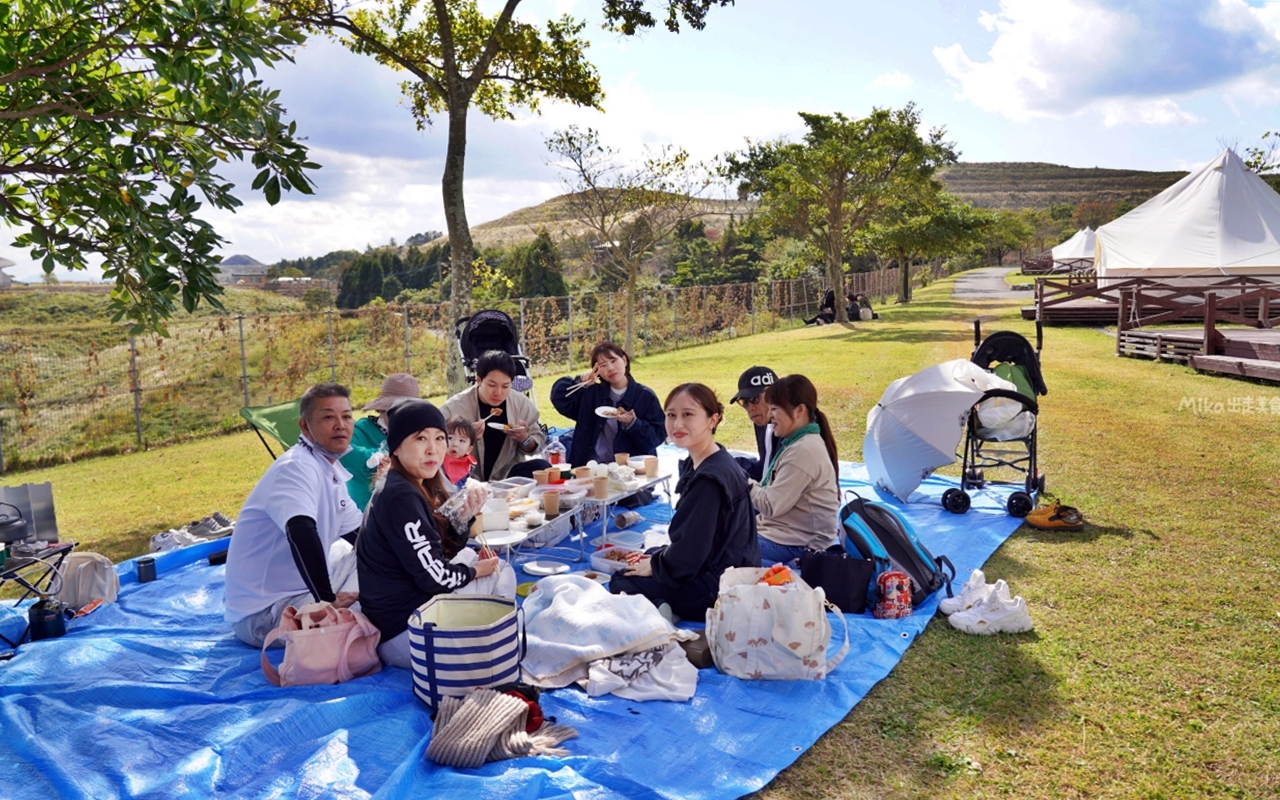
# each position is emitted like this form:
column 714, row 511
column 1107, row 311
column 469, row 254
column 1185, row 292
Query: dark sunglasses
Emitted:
column 751, row 401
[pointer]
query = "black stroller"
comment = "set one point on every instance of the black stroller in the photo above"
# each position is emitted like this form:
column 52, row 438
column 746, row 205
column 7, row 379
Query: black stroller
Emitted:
column 487, row 330
column 1013, row 444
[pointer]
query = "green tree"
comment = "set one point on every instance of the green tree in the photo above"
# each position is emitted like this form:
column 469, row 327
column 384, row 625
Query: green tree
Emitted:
column 626, row 208
column 391, row 287
column 1007, row 232
column 927, row 224
column 317, row 298
column 535, row 268
column 115, row 116
column 459, row 56
column 845, row 171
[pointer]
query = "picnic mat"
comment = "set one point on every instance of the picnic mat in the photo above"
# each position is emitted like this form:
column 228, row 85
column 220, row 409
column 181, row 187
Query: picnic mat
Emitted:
column 154, row 697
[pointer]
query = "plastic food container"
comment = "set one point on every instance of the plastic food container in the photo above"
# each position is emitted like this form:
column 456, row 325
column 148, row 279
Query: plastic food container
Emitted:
column 569, row 496
column 511, row 488
column 633, row 540
column 602, row 564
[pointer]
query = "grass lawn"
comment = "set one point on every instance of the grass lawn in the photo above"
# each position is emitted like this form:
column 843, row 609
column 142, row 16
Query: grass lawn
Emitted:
column 1152, row 671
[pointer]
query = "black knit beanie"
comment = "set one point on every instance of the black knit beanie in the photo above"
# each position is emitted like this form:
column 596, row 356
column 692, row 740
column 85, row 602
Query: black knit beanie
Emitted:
column 407, row 416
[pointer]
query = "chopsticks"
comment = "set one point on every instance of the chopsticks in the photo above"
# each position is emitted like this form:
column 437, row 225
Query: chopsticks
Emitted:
column 576, row 387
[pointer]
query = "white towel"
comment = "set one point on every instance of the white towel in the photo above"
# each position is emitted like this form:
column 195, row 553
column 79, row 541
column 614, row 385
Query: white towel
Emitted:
column 571, row 621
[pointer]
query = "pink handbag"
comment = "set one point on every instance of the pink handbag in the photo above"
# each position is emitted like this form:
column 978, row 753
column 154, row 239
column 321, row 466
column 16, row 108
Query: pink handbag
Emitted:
column 323, row 644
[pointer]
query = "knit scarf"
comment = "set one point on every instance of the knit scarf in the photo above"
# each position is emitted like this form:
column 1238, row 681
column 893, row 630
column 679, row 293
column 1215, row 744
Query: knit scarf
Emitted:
column 490, row 726
column 794, row 437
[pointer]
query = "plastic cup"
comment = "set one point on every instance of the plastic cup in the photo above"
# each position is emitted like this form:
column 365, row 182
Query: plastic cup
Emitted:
column 651, row 466
column 600, row 486
column 551, row 504
column 621, row 459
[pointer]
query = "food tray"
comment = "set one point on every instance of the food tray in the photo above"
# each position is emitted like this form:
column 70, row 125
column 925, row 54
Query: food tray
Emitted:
column 602, row 564
column 631, row 539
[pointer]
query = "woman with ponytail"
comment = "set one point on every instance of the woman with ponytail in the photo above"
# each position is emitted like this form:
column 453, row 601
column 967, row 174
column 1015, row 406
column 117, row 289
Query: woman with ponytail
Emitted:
column 798, row 496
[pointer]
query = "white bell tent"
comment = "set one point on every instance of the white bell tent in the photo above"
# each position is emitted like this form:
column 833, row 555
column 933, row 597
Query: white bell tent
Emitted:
column 1220, row 220
column 1080, row 246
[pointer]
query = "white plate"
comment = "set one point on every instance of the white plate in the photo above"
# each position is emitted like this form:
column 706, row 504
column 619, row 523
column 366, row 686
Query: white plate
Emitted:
column 608, row 412
column 498, row 426
column 545, row 568
column 502, row 538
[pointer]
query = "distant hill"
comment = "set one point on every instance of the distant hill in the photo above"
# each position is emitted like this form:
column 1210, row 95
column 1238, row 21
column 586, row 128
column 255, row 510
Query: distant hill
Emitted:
column 554, row 215
column 1031, row 184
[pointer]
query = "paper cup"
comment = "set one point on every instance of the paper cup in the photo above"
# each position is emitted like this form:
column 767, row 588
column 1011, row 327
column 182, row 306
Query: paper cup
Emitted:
column 551, row 504
column 651, row 466
column 621, row 459
column 540, row 476
column 581, row 472
column 601, row 487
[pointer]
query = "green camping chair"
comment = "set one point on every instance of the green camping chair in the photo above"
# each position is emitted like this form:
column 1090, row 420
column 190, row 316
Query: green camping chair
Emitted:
column 280, row 422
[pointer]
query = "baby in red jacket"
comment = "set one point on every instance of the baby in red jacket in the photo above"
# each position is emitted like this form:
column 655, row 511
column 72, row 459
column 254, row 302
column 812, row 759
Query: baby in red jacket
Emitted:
column 459, row 461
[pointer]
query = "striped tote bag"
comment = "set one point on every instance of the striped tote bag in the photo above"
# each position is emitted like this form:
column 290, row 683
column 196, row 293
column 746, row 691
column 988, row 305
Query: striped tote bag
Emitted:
column 462, row 642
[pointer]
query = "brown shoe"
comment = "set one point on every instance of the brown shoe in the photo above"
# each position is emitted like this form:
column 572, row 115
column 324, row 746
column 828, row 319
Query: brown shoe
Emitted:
column 1056, row 517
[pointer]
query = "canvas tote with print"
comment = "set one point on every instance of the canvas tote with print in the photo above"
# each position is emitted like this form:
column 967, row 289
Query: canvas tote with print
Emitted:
column 763, row 632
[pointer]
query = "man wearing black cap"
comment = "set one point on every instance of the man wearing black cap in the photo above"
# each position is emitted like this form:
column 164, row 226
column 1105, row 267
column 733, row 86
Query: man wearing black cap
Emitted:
column 751, row 386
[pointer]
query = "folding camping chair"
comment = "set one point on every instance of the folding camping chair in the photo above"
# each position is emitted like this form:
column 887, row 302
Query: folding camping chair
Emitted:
column 279, row 421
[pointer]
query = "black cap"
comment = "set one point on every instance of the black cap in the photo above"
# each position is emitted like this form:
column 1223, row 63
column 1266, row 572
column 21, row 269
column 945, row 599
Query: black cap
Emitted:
column 753, row 382
column 407, row 416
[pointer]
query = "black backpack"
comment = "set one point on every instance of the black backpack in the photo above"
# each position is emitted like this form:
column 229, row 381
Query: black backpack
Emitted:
column 875, row 531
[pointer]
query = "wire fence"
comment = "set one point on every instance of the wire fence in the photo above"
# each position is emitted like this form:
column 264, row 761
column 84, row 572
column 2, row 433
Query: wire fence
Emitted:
column 77, row 391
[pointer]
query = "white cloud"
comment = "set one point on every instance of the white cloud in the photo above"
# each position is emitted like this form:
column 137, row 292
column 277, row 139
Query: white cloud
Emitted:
column 892, row 80
column 1129, row 63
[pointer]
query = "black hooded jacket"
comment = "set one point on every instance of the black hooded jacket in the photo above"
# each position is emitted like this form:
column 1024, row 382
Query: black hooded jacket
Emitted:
column 713, row 527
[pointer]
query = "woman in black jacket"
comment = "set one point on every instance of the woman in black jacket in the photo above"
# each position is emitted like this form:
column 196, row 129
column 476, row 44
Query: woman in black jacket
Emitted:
column 401, row 558
column 713, row 528
column 636, row 427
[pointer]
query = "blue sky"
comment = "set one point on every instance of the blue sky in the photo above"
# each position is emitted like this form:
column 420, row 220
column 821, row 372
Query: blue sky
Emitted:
column 1144, row 84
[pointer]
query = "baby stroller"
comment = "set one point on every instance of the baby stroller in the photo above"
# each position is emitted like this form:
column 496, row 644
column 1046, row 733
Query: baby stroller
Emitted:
column 1001, row 429
column 487, row 330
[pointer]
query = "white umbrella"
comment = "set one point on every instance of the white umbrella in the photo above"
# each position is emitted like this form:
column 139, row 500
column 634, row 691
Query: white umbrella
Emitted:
column 915, row 427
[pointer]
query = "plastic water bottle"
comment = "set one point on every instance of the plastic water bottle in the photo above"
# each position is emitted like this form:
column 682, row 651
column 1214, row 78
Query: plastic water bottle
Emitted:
column 555, row 451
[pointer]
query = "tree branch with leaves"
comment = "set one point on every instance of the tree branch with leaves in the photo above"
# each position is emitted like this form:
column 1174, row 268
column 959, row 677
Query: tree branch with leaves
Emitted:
column 627, row 208
column 116, row 115
column 461, row 57
column 835, row 181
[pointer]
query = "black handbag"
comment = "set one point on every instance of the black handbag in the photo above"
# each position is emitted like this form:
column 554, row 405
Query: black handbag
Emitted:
column 844, row 579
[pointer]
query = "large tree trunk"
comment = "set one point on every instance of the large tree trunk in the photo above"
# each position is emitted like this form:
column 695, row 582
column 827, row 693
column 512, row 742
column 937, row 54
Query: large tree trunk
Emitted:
column 460, row 246
column 835, row 276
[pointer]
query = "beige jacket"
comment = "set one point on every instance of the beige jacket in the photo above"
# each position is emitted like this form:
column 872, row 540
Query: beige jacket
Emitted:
column 800, row 505
column 466, row 404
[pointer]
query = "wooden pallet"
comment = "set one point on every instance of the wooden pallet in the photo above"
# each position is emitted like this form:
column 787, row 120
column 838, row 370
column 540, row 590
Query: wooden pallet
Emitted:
column 1244, row 367
column 1160, row 346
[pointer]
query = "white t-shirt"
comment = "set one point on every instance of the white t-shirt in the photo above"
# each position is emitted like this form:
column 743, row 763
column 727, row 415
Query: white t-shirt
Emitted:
column 260, row 566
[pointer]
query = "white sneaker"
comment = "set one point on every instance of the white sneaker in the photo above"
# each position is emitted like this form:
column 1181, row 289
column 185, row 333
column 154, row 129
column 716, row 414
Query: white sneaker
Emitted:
column 974, row 590
column 997, row 613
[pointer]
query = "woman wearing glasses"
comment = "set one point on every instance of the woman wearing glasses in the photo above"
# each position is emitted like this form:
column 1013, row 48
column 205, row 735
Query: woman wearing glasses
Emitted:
column 751, row 388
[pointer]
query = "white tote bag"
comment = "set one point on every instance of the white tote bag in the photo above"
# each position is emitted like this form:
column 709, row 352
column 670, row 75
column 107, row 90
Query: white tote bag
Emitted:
column 763, row 632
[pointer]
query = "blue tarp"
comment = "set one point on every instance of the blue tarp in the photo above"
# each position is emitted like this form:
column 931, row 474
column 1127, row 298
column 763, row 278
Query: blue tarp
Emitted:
column 153, row 697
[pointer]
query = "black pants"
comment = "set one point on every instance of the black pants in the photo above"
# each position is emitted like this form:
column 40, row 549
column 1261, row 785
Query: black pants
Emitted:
column 688, row 601
column 525, row 469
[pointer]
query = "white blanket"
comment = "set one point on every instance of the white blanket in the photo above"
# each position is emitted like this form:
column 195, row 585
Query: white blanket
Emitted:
column 571, row 621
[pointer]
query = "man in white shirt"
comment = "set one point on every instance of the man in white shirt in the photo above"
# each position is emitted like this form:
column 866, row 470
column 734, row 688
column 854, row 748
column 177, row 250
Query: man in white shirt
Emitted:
column 279, row 553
